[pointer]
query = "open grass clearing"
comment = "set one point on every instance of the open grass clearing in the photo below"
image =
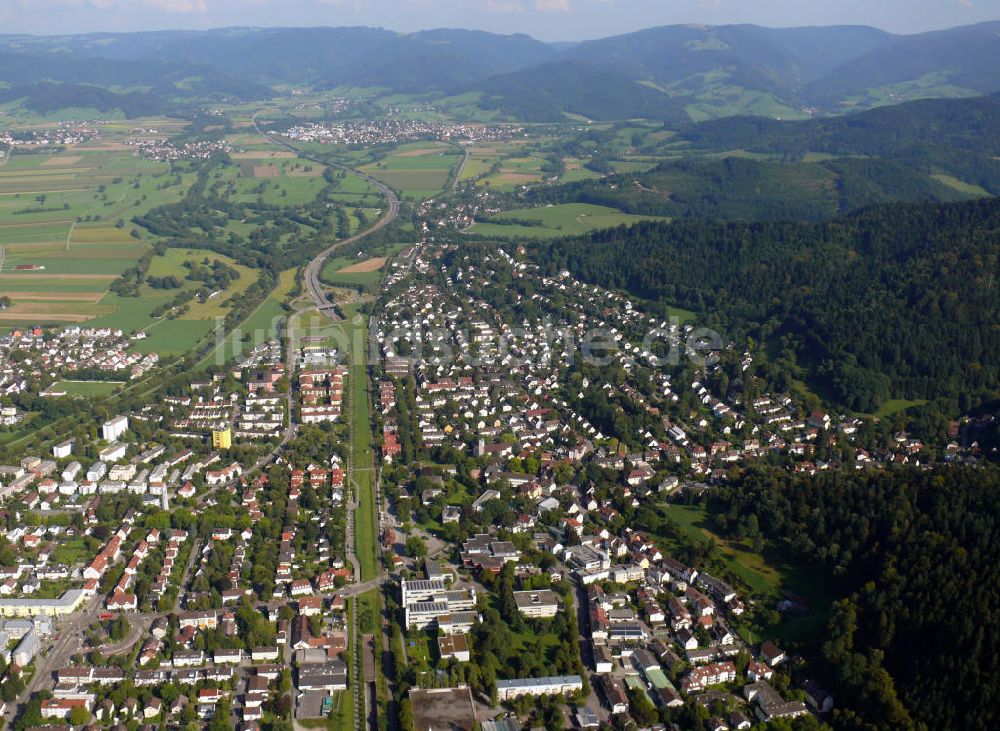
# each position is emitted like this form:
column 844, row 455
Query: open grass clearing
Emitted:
column 770, row 574
column 631, row 166
column 263, row 323
column 130, row 314
column 560, row 220
column 762, row 578
column 173, row 337
column 90, row 389
column 575, row 171
column 71, row 552
column 279, row 190
column 961, row 185
column 895, row 406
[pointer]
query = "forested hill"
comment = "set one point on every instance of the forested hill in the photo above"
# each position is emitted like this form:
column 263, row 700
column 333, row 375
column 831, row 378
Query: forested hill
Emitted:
column 897, row 301
column 931, row 150
column 958, row 136
column 672, row 73
column 750, row 190
column 914, row 641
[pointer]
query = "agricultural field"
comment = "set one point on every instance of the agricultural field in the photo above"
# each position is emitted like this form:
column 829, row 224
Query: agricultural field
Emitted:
column 66, row 234
column 575, row 171
column 358, row 271
column 481, row 159
column 276, row 178
column 418, row 170
column 513, row 172
column 65, row 231
column 561, row 220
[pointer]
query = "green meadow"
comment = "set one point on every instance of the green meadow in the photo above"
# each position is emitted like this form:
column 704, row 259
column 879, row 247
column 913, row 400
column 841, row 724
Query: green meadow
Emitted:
column 560, row 220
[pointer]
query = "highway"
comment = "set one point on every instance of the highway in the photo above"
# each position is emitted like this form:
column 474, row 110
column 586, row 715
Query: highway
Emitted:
column 315, row 267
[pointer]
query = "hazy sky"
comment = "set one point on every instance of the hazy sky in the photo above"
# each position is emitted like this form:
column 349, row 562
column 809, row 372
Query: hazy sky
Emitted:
column 545, row 19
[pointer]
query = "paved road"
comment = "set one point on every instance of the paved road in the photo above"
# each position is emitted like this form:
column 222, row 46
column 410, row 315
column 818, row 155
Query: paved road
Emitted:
column 138, row 627
column 315, row 267
column 586, row 650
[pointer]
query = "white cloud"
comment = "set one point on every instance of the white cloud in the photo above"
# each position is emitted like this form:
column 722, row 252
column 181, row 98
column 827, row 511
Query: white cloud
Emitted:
column 561, row 6
column 170, row 6
column 503, row 6
column 179, row 6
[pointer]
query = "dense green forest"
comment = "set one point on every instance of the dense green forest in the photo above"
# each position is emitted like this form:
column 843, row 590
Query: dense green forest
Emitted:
column 960, row 137
column 914, row 642
column 46, row 98
column 937, row 150
column 743, row 189
column 897, row 301
column 545, row 93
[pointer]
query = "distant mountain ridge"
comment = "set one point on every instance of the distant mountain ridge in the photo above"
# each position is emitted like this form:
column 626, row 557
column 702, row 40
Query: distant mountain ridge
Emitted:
column 673, row 73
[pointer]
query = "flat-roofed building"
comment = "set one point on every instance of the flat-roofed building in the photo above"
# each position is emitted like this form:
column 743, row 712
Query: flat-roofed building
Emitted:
column 421, row 590
column 426, row 600
column 554, row 685
column 443, row 708
column 329, row 676
column 70, row 601
column 112, row 429
column 540, row 604
column 423, row 615
column 455, row 623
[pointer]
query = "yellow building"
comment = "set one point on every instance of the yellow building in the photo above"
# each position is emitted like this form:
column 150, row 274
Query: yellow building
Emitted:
column 222, row 439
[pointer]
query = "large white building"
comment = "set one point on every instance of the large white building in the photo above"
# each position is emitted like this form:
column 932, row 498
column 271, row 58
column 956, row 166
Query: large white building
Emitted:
column 427, row 600
column 507, row 689
column 540, row 604
column 421, row 590
column 63, row 449
column 114, row 428
column 70, row 601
